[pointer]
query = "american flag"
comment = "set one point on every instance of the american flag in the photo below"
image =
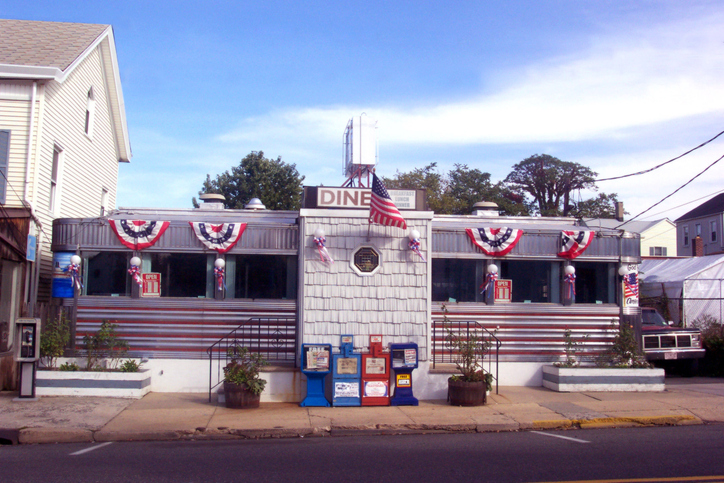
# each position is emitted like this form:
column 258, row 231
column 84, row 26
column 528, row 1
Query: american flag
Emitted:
column 631, row 285
column 382, row 209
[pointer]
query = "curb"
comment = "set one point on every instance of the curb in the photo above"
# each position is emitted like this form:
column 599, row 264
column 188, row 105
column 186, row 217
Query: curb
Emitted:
column 54, row 435
column 71, row 435
column 598, row 423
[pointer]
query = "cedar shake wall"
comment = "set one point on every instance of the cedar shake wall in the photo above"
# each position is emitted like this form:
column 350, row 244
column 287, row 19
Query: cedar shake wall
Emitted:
column 336, row 300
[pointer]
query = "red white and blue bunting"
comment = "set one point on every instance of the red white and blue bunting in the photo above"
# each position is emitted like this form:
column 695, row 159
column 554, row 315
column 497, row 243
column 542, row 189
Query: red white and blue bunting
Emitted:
column 496, row 242
column 573, row 243
column 220, row 237
column 138, row 234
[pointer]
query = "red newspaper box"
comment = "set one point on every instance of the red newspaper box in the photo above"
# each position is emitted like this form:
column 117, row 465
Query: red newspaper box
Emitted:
column 376, row 375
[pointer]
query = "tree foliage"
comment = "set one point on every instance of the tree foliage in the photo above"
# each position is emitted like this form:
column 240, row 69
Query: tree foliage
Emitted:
column 457, row 191
column 550, row 182
column 277, row 184
column 601, row 206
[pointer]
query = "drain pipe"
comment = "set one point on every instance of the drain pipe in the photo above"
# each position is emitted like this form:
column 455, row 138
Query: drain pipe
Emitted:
column 26, row 202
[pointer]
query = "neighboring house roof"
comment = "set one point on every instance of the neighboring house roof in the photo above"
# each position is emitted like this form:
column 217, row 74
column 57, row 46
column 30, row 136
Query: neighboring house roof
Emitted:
column 630, row 226
column 711, row 207
column 51, row 51
column 45, row 44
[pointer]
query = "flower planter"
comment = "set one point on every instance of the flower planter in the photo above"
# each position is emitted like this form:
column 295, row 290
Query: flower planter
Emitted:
column 462, row 393
column 239, row 397
column 133, row 385
column 594, row 379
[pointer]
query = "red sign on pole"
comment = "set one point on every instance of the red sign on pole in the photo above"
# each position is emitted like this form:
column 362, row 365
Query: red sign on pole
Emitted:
column 503, row 291
column 151, row 284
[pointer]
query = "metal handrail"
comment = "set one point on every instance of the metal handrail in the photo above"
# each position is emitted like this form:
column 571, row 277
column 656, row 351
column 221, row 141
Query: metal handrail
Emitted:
column 273, row 338
column 443, row 352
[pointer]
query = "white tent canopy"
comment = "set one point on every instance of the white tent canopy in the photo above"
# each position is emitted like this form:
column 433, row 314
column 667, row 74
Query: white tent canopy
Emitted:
column 697, row 281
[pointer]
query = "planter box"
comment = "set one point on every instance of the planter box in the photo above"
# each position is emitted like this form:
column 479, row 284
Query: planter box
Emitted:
column 593, row 379
column 104, row 384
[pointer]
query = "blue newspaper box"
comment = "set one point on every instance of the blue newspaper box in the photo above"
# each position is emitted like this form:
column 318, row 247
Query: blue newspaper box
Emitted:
column 346, row 374
column 404, row 361
column 315, row 365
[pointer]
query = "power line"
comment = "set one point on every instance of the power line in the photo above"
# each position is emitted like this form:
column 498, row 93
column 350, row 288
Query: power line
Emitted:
column 687, row 203
column 662, row 164
column 673, row 193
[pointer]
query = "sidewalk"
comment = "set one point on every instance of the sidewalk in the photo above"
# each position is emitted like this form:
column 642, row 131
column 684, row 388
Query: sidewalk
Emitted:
column 171, row 416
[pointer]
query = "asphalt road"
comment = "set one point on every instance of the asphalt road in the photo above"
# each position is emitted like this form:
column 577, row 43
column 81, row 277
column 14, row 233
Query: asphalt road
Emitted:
column 629, row 454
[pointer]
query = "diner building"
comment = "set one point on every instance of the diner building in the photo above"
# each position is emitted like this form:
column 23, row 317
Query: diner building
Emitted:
column 289, row 278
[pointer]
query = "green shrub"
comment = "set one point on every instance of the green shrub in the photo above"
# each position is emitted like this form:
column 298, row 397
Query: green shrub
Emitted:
column 104, row 344
column 713, row 342
column 624, row 352
column 69, row 366
column 130, row 365
column 53, row 340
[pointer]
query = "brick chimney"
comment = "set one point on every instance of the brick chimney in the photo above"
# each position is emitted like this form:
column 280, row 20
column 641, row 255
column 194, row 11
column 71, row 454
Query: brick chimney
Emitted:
column 697, row 247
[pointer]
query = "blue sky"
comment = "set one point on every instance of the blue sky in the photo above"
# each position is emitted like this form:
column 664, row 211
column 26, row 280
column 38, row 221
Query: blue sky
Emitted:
column 616, row 86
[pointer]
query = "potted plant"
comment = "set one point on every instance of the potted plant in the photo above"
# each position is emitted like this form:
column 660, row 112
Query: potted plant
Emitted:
column 243, row 384
column 469, row 388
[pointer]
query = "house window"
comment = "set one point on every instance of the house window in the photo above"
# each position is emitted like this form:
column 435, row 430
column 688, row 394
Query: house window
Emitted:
column 657, row 251
column 55, row 175
column 698, row 229
column 107, row 273
column 90, row 113
column 4, row 160
column 712, row 226
column 104, row 201
column 686, row 235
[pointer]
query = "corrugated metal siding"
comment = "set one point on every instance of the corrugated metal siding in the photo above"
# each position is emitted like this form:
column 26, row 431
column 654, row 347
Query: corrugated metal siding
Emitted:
column 179, row 237
column 539, row 245
column 393, row 302
column 534, row 332
column 175, row 328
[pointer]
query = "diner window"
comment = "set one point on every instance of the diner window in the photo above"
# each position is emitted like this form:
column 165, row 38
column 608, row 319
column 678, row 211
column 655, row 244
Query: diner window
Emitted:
column 265, row 277
column 106, row 274
column 456, row 279
column 182, row 274
column 595, row 283
column 533, row 281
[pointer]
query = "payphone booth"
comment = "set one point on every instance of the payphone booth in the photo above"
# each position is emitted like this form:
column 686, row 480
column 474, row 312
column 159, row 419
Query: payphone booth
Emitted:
column 27, row 353
column 376, row 375
column 404, row 361
column 346, row 374
column 315, row 365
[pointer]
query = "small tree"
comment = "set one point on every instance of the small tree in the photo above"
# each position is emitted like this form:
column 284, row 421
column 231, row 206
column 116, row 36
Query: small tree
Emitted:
column 104, row 344
column 53, row 340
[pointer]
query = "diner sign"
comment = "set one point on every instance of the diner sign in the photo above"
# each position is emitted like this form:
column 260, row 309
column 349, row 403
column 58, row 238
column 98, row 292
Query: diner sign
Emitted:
column 360, row 198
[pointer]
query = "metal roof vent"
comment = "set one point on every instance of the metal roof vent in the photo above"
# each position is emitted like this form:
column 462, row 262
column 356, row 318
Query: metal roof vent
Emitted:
column 212, row 201
column 255, row 204
column 485, row 208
